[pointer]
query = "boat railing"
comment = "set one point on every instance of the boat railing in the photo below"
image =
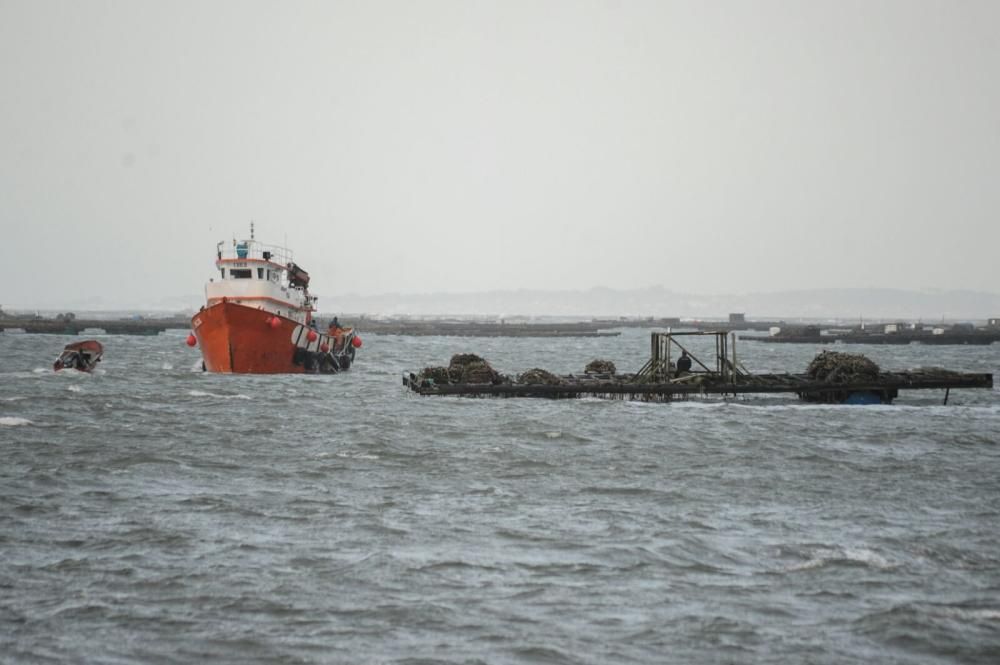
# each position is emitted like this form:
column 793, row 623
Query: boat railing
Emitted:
column 253, row 249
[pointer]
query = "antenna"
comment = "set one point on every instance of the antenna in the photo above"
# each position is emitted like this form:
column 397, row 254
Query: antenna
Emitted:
column 251, row 229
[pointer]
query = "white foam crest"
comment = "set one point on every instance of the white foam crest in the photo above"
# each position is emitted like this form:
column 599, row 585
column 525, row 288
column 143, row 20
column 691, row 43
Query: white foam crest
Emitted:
column 825, row 556
column 966, row 613
column 16, row 398
column 867, row 557
column 69, row 374
column 205, row 393
column 357, row 456
column 42, row 373
column 883, row 409
column 679, row 404
column 74, row 389
column 701, row 404
column 14, row 421
column 166, row 366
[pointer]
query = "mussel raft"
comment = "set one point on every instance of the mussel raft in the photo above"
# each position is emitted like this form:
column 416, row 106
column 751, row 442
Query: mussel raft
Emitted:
column 831, row 378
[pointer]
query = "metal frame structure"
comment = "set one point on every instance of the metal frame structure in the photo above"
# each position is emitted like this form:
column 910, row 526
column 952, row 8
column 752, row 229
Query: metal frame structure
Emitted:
column 660, row 367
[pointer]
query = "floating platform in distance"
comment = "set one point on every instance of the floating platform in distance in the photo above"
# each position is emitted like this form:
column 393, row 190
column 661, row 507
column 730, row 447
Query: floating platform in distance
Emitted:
column 974, row 338
column 883, row 390
column 487, row 329
column 77, row 326
column 592, row 328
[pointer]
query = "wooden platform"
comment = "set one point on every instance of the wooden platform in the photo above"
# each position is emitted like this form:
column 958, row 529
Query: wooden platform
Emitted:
column 658, row 380
column 886, row 387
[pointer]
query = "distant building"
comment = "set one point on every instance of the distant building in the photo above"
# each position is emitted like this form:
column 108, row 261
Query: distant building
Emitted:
column 737, row 317
column 894, row 328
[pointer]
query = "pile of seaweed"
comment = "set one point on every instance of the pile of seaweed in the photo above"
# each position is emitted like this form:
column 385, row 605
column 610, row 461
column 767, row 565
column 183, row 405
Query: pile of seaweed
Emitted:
column 435, row 374
column 463, row 368
column 539, row 376
column 600, row 367
column 837, row 367
column 470, row 368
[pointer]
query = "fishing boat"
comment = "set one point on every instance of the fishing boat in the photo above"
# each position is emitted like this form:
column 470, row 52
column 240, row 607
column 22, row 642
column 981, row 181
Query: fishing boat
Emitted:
column 82, row 356
column 258, row 317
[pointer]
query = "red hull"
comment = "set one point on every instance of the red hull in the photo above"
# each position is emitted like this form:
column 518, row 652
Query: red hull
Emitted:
column 241, row 340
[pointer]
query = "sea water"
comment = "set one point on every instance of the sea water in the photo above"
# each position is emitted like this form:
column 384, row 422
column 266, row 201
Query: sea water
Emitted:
column 152, row 513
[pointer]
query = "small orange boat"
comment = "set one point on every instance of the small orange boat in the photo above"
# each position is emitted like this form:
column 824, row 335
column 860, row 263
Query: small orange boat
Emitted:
column 82, row 356
column 258, row 317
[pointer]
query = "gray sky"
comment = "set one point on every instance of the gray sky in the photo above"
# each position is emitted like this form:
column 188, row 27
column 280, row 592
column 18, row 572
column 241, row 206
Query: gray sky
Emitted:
column 711, row 147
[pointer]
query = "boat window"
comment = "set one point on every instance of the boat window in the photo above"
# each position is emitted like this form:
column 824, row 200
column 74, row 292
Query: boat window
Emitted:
column 223, row 271
column 240, row 274
column 260, row 273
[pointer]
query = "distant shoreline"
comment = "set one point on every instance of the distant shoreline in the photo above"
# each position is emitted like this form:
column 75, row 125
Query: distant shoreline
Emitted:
column 70, row 324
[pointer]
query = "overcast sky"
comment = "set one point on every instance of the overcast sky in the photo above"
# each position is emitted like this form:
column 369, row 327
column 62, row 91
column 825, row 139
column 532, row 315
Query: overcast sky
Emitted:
column 711, row 147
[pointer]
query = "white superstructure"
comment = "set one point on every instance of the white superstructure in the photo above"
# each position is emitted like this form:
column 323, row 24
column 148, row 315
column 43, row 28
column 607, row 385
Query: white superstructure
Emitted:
column 260, row 276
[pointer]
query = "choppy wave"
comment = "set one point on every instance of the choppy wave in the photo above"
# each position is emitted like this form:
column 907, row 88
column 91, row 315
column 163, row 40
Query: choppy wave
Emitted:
column 961, row 632
column 821, row 557
column 304, row 519
column 205, row 393
column 35, row 373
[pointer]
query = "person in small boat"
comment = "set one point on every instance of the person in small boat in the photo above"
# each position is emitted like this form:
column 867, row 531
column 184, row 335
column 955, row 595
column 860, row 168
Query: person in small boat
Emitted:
column 337, row 333
column 683, row 363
